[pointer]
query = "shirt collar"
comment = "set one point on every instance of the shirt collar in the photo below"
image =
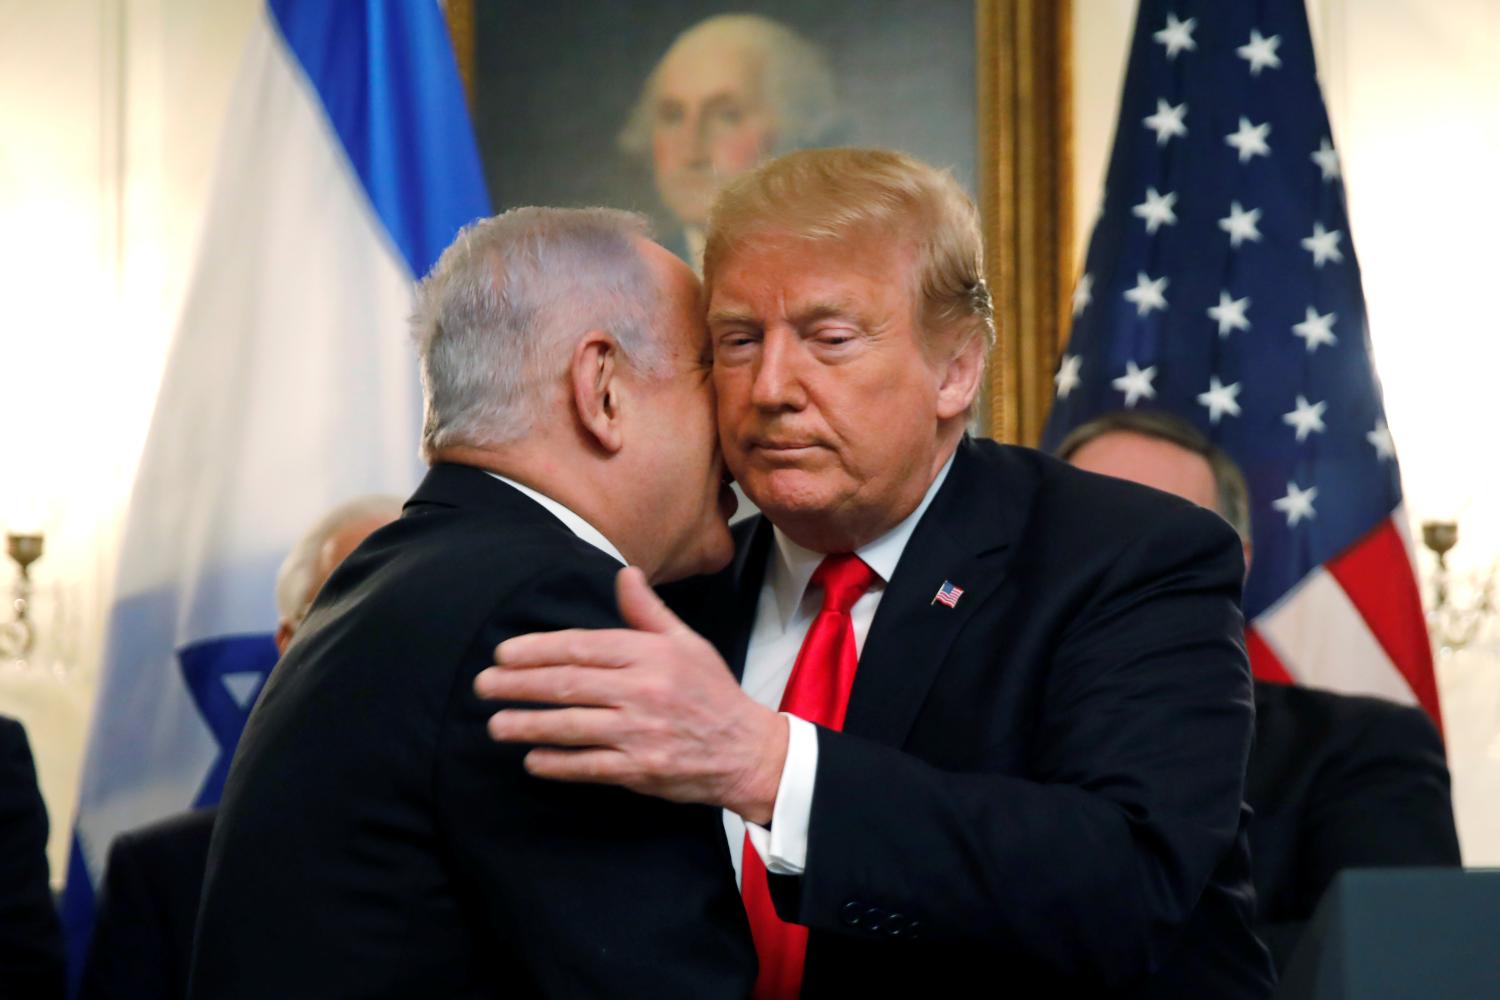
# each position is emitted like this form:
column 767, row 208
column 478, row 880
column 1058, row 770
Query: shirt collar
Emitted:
column 576, row 524
column 792, row 566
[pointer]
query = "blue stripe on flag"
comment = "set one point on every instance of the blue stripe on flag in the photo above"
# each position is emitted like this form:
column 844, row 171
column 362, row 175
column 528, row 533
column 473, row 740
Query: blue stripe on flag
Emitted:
column 77, row 912
column 398, row 107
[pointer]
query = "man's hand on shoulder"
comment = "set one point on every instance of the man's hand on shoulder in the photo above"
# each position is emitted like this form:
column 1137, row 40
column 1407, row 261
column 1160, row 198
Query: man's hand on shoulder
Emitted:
column 651, row 708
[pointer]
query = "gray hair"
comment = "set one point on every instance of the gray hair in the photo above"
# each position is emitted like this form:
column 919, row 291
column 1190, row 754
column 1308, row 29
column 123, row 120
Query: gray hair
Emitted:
column 299, row 571
column 797, row 78
column 503, row 308
column 1229, row 482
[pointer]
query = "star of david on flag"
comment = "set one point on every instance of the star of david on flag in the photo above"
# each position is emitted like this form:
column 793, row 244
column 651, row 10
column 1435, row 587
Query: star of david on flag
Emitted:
column 1221, row 284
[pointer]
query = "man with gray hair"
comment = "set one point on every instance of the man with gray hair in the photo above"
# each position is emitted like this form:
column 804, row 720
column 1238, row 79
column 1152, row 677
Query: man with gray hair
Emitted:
column 730, row 91
column 317, row 553
column 372, row 841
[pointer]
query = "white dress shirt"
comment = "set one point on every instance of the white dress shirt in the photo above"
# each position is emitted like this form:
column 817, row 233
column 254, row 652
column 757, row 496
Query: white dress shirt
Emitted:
column 575, row 524
column 783, row 613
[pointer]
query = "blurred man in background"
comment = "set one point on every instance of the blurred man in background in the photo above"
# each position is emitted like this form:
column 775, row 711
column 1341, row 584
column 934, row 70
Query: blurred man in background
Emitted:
column 1335, row 781
column 143, row 930
column 729, row 92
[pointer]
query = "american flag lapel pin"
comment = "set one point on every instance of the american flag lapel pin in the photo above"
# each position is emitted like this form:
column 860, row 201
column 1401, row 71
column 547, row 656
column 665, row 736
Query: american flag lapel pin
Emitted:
column 947, row 594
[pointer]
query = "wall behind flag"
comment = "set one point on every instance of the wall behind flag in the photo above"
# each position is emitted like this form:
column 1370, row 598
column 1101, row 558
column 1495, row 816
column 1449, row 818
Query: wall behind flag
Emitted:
column 111, row 112
column 1413, row 91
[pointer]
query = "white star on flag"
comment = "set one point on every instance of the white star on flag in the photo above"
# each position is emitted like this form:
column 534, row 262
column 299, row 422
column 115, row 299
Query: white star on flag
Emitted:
column 1230, row 314
column 1307, row 418
column 1316, row 330
column 1250, row 139
column 1067, row 378
column 1323, row 245
column 1136, row 383
column 1327, row 159
column 1297, row 504
column 1220, row 399
column 1167, row 121
column 1083, row 294
column 1177, row 35
column 1147, row 293
column 1260, row 52
column 1156, row 209
column 1241, row 224
column 1380, row 437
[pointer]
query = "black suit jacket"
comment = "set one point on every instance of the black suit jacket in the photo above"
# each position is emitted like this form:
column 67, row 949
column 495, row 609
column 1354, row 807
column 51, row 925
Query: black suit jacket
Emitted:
column 31, row 948
column 373, row 841
column 143, row 927
column 1039, row 788
column 1339, row 782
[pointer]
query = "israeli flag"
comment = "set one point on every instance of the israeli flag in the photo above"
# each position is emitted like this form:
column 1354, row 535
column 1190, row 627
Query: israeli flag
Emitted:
column 348, row 164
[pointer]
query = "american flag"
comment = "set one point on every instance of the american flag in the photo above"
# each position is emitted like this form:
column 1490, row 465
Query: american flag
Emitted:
column 1222, row 285
column 948, row 594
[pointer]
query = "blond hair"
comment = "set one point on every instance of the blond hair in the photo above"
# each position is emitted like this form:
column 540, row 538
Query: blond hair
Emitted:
column 839, row 195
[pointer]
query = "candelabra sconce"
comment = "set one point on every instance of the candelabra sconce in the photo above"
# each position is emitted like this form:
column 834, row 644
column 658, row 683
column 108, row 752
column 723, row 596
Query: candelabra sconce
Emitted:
column 18, row 634
column 1461, row 605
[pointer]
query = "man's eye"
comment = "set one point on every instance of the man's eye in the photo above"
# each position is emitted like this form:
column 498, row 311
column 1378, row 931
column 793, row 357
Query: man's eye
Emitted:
column 668, row 114
column 734, row 341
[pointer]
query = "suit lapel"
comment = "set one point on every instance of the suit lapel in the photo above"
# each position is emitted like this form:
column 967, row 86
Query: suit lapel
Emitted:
column 746, row 574
column 964, row 538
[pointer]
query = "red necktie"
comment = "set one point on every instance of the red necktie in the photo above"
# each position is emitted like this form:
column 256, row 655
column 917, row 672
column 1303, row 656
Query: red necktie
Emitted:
column 818, row 691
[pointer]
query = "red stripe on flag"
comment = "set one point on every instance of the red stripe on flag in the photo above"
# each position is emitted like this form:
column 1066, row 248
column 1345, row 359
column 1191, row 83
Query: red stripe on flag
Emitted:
column 1377, row 575
column 1264, row 664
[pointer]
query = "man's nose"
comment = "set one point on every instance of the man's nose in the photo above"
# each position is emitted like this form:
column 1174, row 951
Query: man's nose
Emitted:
column 696, row 142
column 778, row 382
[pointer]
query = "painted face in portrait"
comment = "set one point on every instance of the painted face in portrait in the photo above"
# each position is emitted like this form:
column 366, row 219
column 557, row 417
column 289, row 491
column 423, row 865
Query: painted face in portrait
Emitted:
column 710, row 122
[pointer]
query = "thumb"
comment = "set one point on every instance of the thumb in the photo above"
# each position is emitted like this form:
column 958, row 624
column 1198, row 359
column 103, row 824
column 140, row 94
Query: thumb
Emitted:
column 639, row 605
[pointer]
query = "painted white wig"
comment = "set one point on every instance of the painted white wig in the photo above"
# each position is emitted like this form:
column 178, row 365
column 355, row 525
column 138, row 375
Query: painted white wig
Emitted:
column 798, row 82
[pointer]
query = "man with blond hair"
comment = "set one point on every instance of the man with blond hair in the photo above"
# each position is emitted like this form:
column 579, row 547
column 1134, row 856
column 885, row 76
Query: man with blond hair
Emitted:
column 991, row 713
column 372, row 841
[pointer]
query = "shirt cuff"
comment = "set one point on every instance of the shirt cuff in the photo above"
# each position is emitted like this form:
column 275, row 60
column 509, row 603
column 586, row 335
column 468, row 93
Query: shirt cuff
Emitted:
column 783, row 848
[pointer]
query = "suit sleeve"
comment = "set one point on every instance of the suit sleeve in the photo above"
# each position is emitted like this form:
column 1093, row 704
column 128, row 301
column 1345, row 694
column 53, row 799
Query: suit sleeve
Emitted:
column 31, row 952
column 603, row 892
column 1386, row 805
column 1094, row 862
column 127, row 952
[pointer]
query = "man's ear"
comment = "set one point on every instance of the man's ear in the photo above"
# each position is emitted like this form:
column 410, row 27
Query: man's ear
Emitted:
column 961, row 374
column 594, row 373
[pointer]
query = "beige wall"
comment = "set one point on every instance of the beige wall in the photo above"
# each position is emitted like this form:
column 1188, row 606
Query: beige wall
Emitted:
column 111, row 111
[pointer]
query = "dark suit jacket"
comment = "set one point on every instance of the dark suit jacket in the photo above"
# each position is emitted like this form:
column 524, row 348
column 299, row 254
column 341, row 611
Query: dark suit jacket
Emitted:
column 1339, row 782
column 31, row 948
column 1039, row 788
column 373, row 841
column 143, row 927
